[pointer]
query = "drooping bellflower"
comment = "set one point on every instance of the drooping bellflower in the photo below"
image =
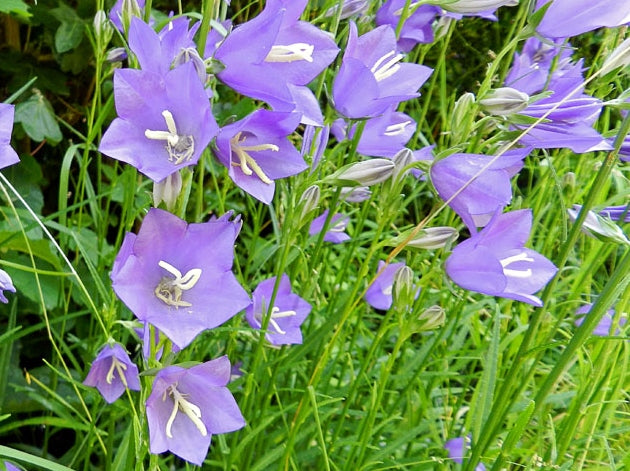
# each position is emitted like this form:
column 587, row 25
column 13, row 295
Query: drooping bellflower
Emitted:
column 178, row 276
column 605, row 324
column 495, row 261
column 112, row 372
column 336, row 229
column 256, row 151
column 287, row 313
column 164, row 122
column 372, row 77
column 187, row 406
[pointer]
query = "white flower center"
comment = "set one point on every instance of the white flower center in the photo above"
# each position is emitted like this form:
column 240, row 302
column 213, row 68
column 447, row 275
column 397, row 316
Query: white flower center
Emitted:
column 180, row 147
column 169, row 290
column 120, row 368
column 520, row 257
column 291, row 53
column 276, row 313
column 386, row 67
column 180, row 403
column 247, row 163
column 396, row 129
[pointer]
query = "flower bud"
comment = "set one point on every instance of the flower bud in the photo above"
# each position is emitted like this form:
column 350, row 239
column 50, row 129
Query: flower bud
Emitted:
column 401, row 160
column 117, row 54
column 404, row 289
column 190, row 54
column 620, row 57
column 167, row 190
column 504, row 101
column 309, row 201
column 366, row 173
column 464, row 106
column 431, row 318
column 348, row 8
column 475, row 6
column 428, row 238
column 568, row 180
column 599, row 227
column 103, row 30
column 356, row 194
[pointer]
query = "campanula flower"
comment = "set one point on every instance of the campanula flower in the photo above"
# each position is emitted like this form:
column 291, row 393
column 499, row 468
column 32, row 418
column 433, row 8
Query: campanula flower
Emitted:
column 6, row 284
column 417, row 27
column 164, row 121
column 336, row 229
column 605, row 324
column 8, row 156
column 287, row 313
column 456, row 449
column 178, row 276
column 256, row 151
column 372, row 77
column 112, row 372
column 187, row 406
column 494, row 261
column 379, row 293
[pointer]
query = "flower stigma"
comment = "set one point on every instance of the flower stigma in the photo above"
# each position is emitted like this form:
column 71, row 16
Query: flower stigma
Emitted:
column 520, row 257
column 181, row 404
column 396, row 129
column 291, row 53
column 247, row 163
column 120, row 368
column 180, row 147
column 382, row 69
column 170, row 290
column 276, row 313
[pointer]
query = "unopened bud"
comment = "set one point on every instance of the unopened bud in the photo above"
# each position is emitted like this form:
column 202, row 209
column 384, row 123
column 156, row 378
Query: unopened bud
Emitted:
column 366, row 173
column 431, row 318
column 464, row 106
column 309, row 200
column 356, row 194
column 348, row 8
column 599, row 227
column 568, row 180
column 167, row 190
column 402, row 160
column 504, row 101
column 620, row 57
column 128, row 10
column 475, row 6
column 103, row 30
column 190, row 54
column 117, row 54
column 404, row 290
column 428, row 238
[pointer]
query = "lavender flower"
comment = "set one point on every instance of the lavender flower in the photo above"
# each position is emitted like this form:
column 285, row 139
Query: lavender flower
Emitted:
column 372, row 65
column 603, row 328
column 124, row 10
column 8, row 156
column 495, row 261
column 287, row 314
column 178, row 276
column 11, row 467
column 488, row 192
column 112, row 372
column 456, row 449
column 187, row 406
column 6, row 284
column 164, row 122
column 616, row 213
column 379, row 294
column 336, row 229
column 256, row 151
column 417, row 27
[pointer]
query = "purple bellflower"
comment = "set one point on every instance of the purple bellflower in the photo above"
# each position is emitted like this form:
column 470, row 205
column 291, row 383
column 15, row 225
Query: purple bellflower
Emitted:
column 456, row 449
column 274, row 56
column 135, row 7
column 178, row 276
column 11, row 467
column 616, row 213
column 566, row 18
column 372, row 77
column 256, row 151
column 164, row 122
column 495, row 262
column 336, row 230
column 488, row 192
column 605, row 324
column 112, row 372
column 187, row 406
column 8, row 156
column 6, row 284
column 379, row 294
column 417, row 28
column 287, row 314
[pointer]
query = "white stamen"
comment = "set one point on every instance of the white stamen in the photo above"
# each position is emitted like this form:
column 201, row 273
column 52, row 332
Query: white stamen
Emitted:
column 396, row 129
column 179, row 147
column 276, row 313
column 246, row 162
column 181, row 404
column 170, row 290
column 120, row 367
column 339, row 226
column 382, row 71
column 520, row 257
column 291, row 52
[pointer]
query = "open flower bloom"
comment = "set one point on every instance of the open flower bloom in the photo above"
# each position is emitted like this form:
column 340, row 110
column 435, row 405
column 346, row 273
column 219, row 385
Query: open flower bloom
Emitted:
column 605, row 324
column 178, row 276
column 417, row 27
column 285, row 316
column 187, row 406
column 8, row 156
column 379, row 294
column 6, row 284
column 372, row 77
column 164, row 121
column 456, row 449
column 494, row 261
column 112, row 372
column 274, row 56
column 336, row 229
column 256, row 151
column 489, row 192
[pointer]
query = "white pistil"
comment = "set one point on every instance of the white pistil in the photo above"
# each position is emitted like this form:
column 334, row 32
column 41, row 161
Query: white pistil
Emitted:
column 170, row 290
column 247, row 163
column 120, row 368
column 276, row 313
column 339, row 226
column 521, row 257
column 181, row 404
column 396, row 129
column 382, row 69
column 291, row 53
column 179, row 147
column 387, row 290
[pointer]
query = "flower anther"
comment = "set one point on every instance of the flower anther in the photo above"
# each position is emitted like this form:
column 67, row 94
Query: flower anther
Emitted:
column 382, row 69
column 170, row 290
column 247, row 163
column 180, row 403
column 291, row 53
column 120, row 367
column 520, row 257
column 180, row 147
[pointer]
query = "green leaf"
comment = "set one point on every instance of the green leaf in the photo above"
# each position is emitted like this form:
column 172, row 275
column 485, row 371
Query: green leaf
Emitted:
column 68, row 36
column 14, row 6
column 38, row 119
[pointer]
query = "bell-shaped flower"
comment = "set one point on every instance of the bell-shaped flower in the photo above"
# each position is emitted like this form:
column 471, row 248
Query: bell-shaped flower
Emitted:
column 417, row 27
column 372, row 77
column 495, row 261
column 8, row 156
column 336, row 232
column 178, row 276
column 164, row 122
column 379, row 294
column 456, row 449
column 256, row 151
column 274, row 56
column 112, row 372
column 489, row 191
column 285, row 316
column 187, row 406
column 604, row 327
